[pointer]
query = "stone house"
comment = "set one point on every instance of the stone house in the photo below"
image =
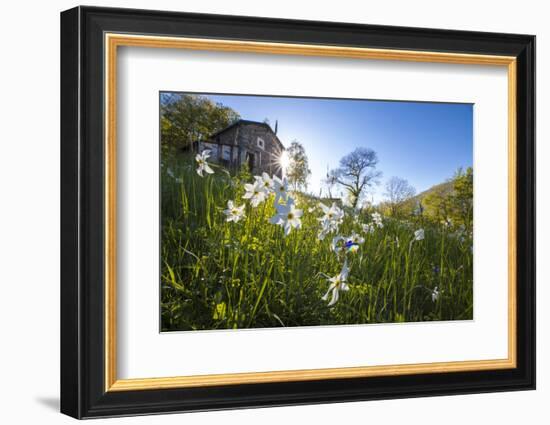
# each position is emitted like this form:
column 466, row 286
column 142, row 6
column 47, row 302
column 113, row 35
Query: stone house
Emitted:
column 251, row 142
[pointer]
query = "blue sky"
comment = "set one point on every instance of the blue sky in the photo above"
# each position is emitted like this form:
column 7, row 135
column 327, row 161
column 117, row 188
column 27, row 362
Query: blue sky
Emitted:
column 424, row 143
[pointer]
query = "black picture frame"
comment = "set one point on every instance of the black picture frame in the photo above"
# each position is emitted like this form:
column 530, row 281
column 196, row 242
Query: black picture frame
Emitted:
column 83, row 392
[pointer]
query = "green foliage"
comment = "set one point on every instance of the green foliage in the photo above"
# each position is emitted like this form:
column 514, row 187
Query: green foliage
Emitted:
column 453, row 204
column 436, row 204
column 186, row 118
column 297, row 172
column 221, row 275
column 462, row 198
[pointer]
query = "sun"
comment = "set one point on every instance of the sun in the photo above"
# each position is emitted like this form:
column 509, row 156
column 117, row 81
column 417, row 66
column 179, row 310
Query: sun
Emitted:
column 284, row 161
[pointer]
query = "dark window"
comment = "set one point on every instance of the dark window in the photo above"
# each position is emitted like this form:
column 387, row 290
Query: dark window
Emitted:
column 250, row 159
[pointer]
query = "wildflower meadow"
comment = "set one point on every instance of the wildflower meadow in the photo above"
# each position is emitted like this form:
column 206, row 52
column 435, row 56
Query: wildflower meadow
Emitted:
column 248, row 251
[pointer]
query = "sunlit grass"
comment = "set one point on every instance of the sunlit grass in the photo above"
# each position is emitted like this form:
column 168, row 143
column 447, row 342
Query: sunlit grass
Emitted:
column 217, row 274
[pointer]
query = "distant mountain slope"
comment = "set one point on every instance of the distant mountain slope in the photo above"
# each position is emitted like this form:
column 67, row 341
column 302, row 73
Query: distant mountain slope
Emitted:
column 444, row 188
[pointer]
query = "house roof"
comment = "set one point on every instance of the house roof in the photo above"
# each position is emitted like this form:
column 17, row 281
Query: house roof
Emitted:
column 247, row 122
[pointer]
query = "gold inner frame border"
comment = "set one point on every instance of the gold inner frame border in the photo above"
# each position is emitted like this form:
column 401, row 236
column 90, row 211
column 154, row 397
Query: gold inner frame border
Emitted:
column 112, row 41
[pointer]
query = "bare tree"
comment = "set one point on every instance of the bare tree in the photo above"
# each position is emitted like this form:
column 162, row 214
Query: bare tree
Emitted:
column 398, row 190
column 357, row 172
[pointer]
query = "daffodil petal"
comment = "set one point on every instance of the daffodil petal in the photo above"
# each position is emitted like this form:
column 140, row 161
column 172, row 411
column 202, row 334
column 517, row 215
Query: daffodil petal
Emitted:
column 335, row 296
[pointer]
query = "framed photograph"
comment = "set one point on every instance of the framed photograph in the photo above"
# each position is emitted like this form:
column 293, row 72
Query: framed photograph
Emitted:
column 261, row 212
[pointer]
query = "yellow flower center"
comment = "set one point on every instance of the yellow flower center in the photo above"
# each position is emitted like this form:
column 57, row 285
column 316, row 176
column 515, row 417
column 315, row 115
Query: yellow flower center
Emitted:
column 290, row 216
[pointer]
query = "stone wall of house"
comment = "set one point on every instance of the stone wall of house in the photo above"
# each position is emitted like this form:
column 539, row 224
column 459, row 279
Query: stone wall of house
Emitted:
column 228, row 137
column 266, row 158
column 252, row 143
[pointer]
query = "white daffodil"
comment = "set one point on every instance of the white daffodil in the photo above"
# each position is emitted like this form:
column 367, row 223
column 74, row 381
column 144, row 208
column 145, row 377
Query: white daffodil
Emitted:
column 265, row 182
column 255, row 193
column 325, row 230
column 288, row 216
column 356, row 238
column 202, row 164
column 280, row 186
column 332, row 213
column 368, row 228
column 435, row 294
column 337, row 284
column 336, row 244
column 331, row 219
column 233, row 212
column 419, row 235
column 377, row 219
column 350, row 244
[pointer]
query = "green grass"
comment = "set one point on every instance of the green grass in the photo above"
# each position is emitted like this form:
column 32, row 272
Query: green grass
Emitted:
column 220, row 275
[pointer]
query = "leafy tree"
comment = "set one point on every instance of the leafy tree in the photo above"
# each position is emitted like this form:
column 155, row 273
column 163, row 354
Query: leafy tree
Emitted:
column 186, row 118
column 357, row 172
column 453, row 202
column 297, row 171
column 462, row 198
column 398, row 190
column 436, row 204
